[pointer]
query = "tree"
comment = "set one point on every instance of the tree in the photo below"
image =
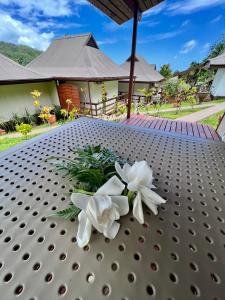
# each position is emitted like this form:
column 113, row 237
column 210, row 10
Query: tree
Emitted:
column 217, row 49
column 166, row 71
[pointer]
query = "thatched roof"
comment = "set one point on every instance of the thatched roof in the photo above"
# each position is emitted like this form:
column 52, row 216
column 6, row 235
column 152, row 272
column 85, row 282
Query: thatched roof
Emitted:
column 11, row 72
column 77, row 58
column 143, row 71
column 218, row 61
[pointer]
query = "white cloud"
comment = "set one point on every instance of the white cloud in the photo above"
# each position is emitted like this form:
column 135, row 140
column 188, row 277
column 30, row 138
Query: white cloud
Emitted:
column 217, row 19
column 53, row 8
column 149, row 23
column 107, row 42
column 112, row 26
column 188, row 46
column 160, row 36
column 206, row 46
column 45, row 7
column 155, row 10
column 183, row 7
column 16, row 32
column 186, row 23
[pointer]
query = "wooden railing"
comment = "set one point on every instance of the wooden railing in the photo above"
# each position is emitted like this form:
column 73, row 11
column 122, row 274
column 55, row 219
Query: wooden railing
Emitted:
column 137, row 98
column 104, row 107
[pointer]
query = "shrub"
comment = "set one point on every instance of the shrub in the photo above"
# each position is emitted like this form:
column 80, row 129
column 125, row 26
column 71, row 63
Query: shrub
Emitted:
column 170, row 87
column 23, row 128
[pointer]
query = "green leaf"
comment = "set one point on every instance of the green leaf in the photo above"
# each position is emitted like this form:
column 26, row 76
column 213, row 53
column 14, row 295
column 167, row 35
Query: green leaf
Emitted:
column 67, row 213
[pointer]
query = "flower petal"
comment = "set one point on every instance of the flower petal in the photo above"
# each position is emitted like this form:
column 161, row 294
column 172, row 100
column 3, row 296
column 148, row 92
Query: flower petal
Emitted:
column 98, row 211
column 137, row 209
column 122, row 171
column 112, row 231
column 154, row 197
column 84, row 230
column 112, row 187
column 122, row 204
column 80, row 200
column 141, row 172
column 151, row 199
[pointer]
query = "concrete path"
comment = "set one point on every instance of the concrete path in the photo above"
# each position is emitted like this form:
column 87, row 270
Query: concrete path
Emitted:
column 182, row 108
column 203, row 114
column 34, row 131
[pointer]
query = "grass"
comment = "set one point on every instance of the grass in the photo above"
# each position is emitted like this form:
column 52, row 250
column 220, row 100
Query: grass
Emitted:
column 6, row 143
column 213, row 120
column 174, row 114
column 184, row 104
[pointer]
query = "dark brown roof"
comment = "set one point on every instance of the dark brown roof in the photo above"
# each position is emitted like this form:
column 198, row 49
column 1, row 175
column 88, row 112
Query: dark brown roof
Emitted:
column 76, row 57
column 143, row 71
column 122, row 10
column 10, row 71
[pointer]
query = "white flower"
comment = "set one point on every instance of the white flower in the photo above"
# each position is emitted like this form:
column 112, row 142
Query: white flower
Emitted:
column 101, row 210
column 139, row 179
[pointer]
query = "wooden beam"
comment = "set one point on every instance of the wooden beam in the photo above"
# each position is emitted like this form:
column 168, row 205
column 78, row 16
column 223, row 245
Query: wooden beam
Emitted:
column 90, row 100
column 132, row 61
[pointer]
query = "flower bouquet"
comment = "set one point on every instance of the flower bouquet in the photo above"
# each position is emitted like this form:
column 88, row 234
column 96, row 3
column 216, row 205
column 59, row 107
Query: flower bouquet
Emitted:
column 105, row 187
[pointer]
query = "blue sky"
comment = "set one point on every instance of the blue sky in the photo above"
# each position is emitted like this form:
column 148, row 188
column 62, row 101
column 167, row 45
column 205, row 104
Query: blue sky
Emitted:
column 176, row 31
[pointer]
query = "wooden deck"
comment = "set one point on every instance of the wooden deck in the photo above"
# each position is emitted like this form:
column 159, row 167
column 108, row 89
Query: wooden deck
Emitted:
column 173, row 126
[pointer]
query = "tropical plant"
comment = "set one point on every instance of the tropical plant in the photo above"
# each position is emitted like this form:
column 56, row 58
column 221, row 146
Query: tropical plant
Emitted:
column 91, row 167
column 166, row 71
column 218, row 48
column 45, row 113
column 191, row 99
column 24, row 129
column 73, row 113
column 170, row 87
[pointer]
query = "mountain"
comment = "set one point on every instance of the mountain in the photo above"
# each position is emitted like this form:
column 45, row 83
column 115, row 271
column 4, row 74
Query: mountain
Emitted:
column 19, row 53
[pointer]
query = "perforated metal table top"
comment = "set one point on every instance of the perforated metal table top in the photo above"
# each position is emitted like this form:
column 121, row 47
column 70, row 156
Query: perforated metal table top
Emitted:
column 179, row 254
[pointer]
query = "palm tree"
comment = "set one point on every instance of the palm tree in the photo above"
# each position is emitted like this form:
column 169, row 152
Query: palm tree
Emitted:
column 166, row 71
column 217, row 49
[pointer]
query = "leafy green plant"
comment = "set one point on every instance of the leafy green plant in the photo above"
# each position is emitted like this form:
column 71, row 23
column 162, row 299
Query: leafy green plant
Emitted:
column 91, row 167
column 170, row 87
column 68, row 213
column 24, row 129
column 192, row 100
column 166, row 71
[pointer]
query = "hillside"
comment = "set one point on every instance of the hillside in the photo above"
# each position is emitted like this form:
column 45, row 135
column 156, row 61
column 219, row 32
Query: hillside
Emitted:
column 19, row 53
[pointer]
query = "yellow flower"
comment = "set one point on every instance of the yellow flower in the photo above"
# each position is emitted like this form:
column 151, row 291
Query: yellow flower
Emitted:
column 46, row 109
column 63, row 112
column 68, row 101
column 36, row 103
column 36, row 94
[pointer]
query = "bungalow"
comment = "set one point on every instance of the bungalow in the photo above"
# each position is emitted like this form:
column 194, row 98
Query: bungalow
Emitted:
column 218, row 85
column 16, row 84
column 146, row 76
column 83, row 72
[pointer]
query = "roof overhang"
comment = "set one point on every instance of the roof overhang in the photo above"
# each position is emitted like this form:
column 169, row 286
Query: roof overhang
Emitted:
column 217, row 66
column 93, row 79
column 123, row 10
column 20, row 81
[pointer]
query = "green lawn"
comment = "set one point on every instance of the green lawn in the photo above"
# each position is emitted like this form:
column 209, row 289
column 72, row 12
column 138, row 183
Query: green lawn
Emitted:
column 174, row 114
column 184, row 104
column 213, row 120
column 6, row 142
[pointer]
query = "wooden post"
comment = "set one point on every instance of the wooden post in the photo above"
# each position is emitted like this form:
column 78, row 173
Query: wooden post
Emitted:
column 132, row 60
column 89, row 94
